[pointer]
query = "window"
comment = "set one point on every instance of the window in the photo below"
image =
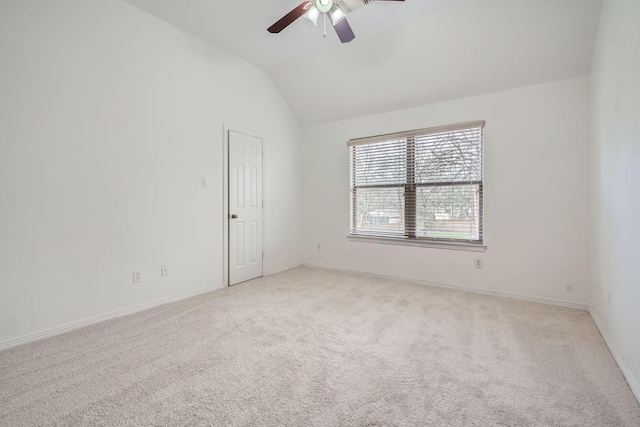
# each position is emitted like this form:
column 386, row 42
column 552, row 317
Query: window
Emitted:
column 423, row 186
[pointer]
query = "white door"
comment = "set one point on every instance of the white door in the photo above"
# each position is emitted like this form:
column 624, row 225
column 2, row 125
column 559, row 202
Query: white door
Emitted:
column 245, row 207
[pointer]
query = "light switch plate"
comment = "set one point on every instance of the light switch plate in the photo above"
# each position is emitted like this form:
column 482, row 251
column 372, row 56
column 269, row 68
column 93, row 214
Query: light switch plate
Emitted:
column 137, row 276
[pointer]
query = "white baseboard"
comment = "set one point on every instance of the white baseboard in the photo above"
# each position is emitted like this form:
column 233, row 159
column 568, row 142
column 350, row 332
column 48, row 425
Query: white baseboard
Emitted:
column 281, row 269
column 531, row 298
column 631, row 380
column 14, row 342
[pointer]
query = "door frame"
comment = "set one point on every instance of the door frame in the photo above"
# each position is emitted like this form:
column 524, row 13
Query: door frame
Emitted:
column 225, row 197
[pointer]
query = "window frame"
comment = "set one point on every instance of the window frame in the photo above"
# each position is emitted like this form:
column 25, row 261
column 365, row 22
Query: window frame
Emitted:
column 410, row 188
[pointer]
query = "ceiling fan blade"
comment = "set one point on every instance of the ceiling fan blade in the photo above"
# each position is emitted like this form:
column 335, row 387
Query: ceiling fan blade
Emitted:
column 343, row 29
column 286, row 20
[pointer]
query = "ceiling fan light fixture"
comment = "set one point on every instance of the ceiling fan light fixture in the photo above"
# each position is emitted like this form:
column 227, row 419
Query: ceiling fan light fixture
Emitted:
column 337, row 14
column 312, row 15
column 312, row 9
column 324, row 5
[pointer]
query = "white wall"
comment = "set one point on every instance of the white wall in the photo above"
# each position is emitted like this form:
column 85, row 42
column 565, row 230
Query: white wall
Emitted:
column 615, row 164
column 108, row 118
column 535, row 194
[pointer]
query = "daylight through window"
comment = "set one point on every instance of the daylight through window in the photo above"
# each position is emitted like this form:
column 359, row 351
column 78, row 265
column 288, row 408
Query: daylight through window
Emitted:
column 424, row 185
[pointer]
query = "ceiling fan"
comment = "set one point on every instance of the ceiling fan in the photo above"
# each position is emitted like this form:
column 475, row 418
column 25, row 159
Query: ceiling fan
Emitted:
column 335, row 10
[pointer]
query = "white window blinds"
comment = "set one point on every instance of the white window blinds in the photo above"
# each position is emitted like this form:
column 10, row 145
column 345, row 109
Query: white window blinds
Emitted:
column 421, row 185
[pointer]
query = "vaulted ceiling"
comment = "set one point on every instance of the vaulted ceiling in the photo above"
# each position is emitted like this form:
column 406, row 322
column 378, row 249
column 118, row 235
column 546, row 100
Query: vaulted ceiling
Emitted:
column 405, row 53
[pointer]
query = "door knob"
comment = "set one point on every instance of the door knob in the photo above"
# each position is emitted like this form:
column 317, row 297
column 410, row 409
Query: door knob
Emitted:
column 234, row 216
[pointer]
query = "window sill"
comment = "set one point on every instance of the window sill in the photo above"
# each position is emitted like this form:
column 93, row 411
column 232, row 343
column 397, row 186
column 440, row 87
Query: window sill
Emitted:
column 455, row 246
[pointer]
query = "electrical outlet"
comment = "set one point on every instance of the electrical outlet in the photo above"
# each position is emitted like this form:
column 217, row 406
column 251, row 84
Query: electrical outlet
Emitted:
column 164, row 270
column 204, row 181
column 137, row 276
column 478, row 263
column 319, row 247
column 609, row 298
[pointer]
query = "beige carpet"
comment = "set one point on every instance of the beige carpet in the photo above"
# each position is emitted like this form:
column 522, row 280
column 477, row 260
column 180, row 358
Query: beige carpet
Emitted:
column 311, row 347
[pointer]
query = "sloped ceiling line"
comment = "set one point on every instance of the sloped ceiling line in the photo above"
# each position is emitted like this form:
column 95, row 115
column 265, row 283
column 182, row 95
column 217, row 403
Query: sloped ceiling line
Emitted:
column 404, row 55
